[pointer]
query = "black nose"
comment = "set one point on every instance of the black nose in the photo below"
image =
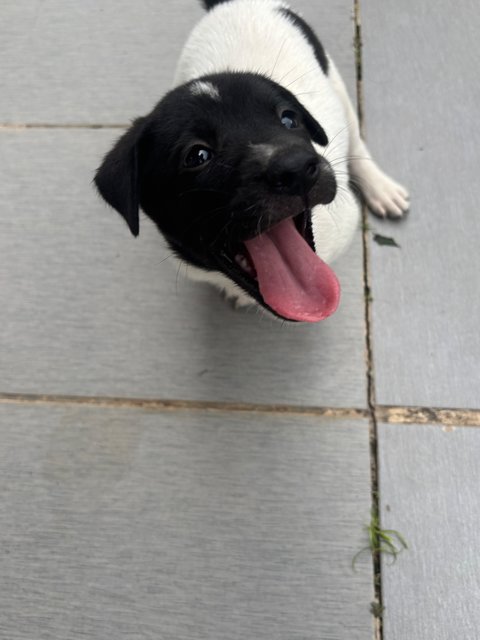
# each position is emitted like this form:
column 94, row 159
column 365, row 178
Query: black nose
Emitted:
column 293, row 172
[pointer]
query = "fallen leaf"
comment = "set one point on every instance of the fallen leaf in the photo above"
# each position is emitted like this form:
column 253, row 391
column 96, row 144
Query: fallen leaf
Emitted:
column 384, row 240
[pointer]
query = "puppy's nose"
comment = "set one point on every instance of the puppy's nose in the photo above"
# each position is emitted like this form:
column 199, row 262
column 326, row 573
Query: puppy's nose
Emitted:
column 293, row 172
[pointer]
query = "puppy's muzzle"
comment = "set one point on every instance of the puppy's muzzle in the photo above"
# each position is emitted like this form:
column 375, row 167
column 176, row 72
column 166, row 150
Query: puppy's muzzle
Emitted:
column 295, row 172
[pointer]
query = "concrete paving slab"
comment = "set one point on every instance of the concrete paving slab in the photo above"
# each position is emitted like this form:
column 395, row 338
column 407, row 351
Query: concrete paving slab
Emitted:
column 421, row 88
column 429, row 479
column 207, row 526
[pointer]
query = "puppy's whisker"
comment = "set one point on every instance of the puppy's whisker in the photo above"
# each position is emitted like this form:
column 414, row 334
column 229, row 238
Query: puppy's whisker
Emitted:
column 259, row 224
column 302, row 76
column 342, row 174
column 252, row 210
column 348, row 158
column 286, row 74
column 334, row 149
column 359, row 158
column 359, row 184
column 305, row 93
column 343, row 191
column 222, row 231
column 339, row 166
column 170, row 255
column 339, row 160
column 178, row 274
column 276, row 59
column 343, row 161
column 329, row 145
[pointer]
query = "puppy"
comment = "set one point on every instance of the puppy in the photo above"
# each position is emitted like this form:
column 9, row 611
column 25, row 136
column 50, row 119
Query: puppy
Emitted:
column 246, row 165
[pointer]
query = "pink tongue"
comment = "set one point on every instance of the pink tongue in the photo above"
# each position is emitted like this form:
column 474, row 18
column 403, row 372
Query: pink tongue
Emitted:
column 292, row 279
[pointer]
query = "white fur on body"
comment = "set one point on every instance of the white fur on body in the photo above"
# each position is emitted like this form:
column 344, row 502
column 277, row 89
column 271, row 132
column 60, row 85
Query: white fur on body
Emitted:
column 254, row 36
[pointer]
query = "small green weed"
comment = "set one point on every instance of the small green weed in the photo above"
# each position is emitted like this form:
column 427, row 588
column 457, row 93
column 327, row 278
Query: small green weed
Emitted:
column 381, row 540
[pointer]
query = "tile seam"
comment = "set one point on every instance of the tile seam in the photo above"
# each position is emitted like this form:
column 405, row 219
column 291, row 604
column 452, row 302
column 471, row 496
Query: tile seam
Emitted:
column 389, row 414
column 153, row 404
column 434, row 416
column 373, row 425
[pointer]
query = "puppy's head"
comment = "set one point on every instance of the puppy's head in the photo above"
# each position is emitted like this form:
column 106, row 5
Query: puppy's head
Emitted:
column 228, row 169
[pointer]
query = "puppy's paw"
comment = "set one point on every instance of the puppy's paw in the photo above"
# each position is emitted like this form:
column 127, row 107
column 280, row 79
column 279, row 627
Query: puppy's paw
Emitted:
column 384, row 197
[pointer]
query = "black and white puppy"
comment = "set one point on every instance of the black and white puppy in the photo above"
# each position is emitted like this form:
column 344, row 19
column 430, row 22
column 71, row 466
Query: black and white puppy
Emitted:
column 245, row 166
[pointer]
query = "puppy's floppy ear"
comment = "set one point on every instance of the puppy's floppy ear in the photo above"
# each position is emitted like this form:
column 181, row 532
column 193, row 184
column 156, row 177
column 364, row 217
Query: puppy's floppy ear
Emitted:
column 117, row 177
column 316, row 131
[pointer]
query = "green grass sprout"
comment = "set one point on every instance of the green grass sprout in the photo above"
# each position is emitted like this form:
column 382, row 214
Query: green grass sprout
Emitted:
column 380, row 541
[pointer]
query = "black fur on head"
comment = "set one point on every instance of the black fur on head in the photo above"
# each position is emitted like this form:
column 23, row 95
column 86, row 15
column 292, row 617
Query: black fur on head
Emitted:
column 218, row 161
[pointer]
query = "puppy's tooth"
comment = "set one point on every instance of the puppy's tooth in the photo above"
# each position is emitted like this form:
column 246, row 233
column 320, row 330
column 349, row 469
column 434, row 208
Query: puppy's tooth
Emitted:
column 242, row 262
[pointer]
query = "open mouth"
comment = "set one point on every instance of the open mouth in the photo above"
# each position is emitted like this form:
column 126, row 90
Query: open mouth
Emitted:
column 280, row 269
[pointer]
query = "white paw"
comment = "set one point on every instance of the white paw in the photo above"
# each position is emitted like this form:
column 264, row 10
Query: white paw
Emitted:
column 384, row 196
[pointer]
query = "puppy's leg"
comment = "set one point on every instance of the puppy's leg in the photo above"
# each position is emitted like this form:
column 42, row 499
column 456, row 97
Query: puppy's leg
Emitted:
column 384, row 196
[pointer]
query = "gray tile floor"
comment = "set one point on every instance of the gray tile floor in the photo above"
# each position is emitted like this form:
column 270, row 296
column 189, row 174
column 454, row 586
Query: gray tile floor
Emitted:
column 207, row 512
column 429, row 478
column 426, row 295
column 128, row 523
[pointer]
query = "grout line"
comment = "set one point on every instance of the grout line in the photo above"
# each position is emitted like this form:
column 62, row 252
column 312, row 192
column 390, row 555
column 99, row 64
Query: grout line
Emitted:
column 428, row 415
column 175, row 405
column 7, row 126
column 383, row 413
column 375, row 506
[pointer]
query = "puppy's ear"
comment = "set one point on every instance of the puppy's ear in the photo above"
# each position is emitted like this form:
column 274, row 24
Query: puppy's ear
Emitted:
column 117, row 177
column 316, row 131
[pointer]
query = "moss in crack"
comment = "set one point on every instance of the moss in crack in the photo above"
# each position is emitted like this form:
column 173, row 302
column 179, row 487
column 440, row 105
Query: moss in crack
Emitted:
column 376, row 609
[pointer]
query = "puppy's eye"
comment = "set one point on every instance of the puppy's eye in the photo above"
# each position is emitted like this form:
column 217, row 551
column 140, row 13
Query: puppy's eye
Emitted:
column 196, row 156
column 289, row 119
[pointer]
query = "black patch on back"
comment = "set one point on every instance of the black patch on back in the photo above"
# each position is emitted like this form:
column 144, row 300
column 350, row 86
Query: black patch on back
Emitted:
column 209, row 4
column 310, row 36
